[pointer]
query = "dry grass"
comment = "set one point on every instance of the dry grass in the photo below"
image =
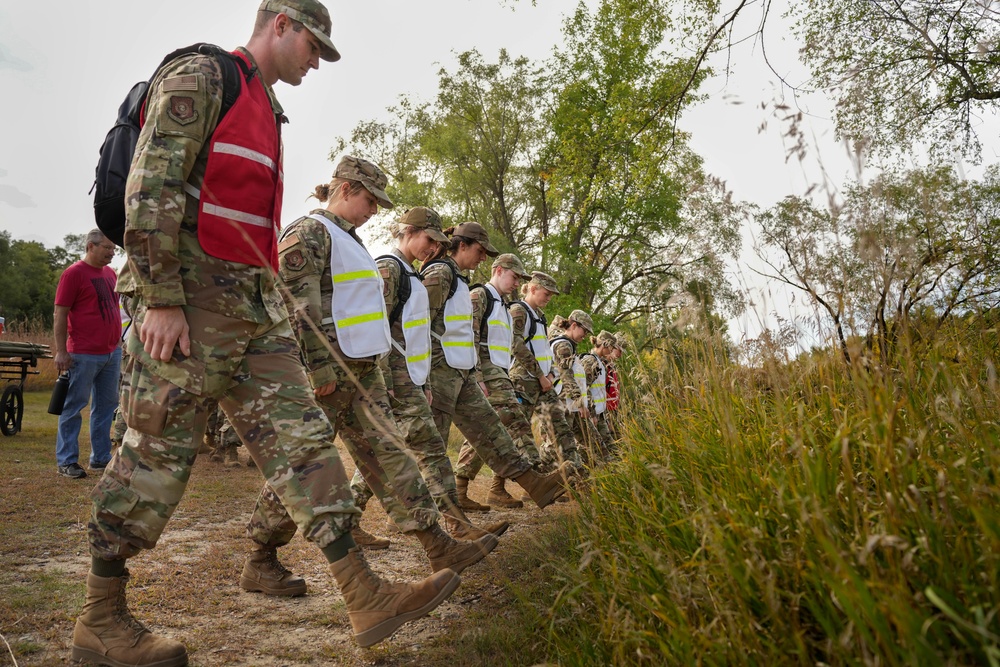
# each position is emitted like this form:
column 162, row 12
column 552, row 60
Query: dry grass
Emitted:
column 187, row 586
column 46, row 370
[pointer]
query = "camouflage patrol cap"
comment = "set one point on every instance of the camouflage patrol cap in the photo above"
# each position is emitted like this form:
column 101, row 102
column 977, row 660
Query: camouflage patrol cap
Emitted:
column 368, row 174
column 583, row 319
column 622, row 340
column 544, row 280
column 475, row 231
column 313, row 15
column 606, row 339
column 426, row 219
column 512, row 262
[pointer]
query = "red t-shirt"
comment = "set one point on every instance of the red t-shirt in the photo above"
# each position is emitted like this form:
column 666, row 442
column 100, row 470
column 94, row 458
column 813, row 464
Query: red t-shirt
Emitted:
column 95, row 324
column 611, row 386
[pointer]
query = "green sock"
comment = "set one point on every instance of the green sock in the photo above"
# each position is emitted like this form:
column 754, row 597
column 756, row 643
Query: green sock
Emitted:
column 107, row 568
column 337, row 549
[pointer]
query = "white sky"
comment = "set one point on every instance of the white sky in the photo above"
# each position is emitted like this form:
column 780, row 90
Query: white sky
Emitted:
column 64, row 75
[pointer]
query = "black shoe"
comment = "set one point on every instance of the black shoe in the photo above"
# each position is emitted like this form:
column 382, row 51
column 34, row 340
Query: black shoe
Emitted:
column 99, row 466
column 72, row 470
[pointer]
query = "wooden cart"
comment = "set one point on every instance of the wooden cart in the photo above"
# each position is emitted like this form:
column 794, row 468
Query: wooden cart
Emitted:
column 16, row 362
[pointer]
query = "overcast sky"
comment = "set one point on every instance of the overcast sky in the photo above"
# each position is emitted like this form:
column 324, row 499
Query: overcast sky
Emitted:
column 64, row 74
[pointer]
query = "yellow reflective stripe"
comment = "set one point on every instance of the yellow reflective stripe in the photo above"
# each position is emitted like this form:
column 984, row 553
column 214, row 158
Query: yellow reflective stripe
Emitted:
column 457, row 318
column 455, row 343
column 415, row 323
column 418, row 357
column 360, row 319
column 499, row 347
column 354, row 275
column 498, row 323
column 543, row 358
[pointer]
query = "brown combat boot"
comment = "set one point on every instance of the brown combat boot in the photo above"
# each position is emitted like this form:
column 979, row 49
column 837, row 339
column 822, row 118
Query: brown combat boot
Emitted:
column 464, row 501
column 232, row 458
column 498, row 495
column 106, row 633
column 207, row 444
column 365, row 539
column 264, row 573
column 462, row 528
column 446, row 553
column 378, row 608
column 543, row 489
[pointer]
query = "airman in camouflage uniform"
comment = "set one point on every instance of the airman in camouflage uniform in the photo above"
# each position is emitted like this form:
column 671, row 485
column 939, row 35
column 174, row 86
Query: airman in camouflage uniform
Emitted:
column 603, row 348
column 557, row 421
column 224, row 440
column 419, row 232
column 351, row 391
column 529, row 381
column 457, row 394
column 209, row 329
column 507, row 273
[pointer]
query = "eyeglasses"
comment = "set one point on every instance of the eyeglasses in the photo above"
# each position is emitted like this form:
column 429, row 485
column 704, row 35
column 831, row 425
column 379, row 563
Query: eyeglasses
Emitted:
column 111, row 248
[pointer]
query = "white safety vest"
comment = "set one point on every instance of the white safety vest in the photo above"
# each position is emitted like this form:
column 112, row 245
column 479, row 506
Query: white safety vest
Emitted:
column 416, row 322
column 580, row 376
column 599, row 390
column 539, row 343
column 458, row 340
column 499, row 334
column 358, row 306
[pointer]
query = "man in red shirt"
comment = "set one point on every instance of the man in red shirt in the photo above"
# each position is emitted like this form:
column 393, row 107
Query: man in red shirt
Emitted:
column 87, row 331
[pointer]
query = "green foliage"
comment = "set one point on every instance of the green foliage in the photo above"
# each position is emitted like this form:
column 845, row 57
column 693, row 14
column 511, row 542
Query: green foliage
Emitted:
column 29, row 274
column 904, row 72
column 795, row 513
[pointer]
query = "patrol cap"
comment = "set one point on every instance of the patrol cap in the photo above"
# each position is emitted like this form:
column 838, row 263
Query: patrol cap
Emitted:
column 475, row 231
column 427, row 219
column 544, row 280
column 313, row 16
column 606, row 339
column 583, row 319
column 368, row 174
column 511, row 261
column 622, row 340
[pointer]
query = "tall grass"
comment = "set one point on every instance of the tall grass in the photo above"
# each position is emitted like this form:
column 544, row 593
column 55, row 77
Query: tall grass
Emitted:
column 796, row 513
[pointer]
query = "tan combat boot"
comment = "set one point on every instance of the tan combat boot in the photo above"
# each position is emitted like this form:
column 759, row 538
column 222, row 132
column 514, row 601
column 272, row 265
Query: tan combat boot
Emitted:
column 264, row 573
column 232, row 458
column 543, row 489
column 365, row 539
column 207, row 444
column 106, row 633
column 498, row 495
column 446, row 553
column 464, row 501
column 462, row 528
column 378, row 608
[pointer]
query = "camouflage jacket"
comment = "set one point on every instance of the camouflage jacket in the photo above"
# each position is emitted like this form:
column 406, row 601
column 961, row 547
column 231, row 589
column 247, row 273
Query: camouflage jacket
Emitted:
column 166, row 264
column 307, row 285
column 437, row 280
column 589, row 361
column 524, row 363
column 486, row 370
column 563, row 354
column 393, row 365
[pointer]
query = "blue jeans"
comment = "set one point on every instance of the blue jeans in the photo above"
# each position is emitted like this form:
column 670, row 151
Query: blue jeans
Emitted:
column 97, row 376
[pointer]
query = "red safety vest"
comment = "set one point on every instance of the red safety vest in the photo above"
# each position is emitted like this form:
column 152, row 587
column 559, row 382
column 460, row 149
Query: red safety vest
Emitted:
column 240, row 210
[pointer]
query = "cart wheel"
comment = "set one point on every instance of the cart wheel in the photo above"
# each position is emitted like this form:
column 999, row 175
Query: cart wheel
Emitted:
column 12, row 406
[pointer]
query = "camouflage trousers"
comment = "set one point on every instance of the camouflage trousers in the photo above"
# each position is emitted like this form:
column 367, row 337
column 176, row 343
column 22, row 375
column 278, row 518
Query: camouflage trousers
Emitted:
column 603, row 426
column 588, row 437
column 254, row 372
column 512, row 415
column 458, row 398
column 220, row 432
column 119, row 427
column 416, row 423
column 363, row 419
column 553, row 421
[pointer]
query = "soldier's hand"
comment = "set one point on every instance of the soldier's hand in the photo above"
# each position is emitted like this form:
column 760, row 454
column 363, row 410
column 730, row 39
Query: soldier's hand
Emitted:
column 429, row 395
column 546, row 383
column 326, row 389
column 163, row 329
column 486, row 392
column 585, row 412
column 391, row 392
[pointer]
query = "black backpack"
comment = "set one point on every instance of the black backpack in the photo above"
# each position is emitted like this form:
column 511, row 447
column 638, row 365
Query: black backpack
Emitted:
column 119, row 145
column 454, row 275
column 490, row 302
column 533, row 323
column 404, row 289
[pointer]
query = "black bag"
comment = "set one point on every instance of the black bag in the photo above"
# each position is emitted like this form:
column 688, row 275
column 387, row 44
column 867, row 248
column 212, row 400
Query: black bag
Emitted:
column 403, row 290
column 119, row 145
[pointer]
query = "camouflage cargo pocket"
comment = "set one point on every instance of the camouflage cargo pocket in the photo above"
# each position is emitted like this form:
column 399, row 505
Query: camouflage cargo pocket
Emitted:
column 113, row 500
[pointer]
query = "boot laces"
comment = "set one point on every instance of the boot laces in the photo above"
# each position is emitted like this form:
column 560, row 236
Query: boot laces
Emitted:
column 124, row 616
column 272, row 562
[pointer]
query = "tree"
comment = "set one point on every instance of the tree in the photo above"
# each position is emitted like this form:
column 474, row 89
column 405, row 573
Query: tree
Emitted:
column 28, row 279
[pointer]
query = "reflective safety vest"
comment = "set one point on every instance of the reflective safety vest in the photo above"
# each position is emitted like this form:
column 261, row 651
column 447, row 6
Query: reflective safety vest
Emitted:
column 416, row 322
column 458, row 340
column 357, row 304
column 580, row 376
column 536, row 337
column 239, row 210
column 598, row 388
column 499, row 332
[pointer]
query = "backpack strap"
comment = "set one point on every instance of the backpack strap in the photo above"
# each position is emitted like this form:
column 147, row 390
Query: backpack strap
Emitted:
column 565, row 338
column 454, row 274
column 490, row 302
column 403, row 289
